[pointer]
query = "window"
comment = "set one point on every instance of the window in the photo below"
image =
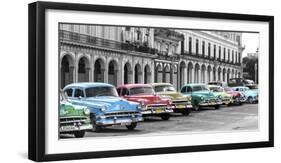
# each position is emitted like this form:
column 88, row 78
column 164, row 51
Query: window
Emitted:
column 224, row 51
column 119, row 91
column 203, row 48
column 219, row 52
column 197, row 46
column 183, row 90
column 189, row 89
column 78, row 93
column 69, row 92
column 197, row 88
column 190, row 45
column 209, row 50
column 125, row 91
column 215, row 50
column 101, row 91
column 142, row 90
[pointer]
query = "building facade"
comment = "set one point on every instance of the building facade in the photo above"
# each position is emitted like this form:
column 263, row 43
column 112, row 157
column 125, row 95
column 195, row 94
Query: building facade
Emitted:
column 118, row 55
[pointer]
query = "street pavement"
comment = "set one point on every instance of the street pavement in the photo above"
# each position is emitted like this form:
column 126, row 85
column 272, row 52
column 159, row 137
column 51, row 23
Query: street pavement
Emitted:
column 226, row 119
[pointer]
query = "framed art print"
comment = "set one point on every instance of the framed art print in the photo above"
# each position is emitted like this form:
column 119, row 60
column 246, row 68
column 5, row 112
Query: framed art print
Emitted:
column 109, row 81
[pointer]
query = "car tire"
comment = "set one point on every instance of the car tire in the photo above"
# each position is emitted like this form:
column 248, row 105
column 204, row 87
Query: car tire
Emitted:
column 250, row 100
column 165, row 117
column 132, row 126
column 217, row 107
column 95, row 127
column 186, row 112
column 79, row 134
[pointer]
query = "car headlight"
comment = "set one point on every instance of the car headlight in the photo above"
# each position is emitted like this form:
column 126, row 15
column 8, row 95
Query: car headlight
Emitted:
column 87, row 111
column 139, row 107
column 219, row 97
column 103, row 108
column 201, row 98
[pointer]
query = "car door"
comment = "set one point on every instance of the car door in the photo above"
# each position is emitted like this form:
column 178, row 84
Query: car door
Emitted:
column 78, row 96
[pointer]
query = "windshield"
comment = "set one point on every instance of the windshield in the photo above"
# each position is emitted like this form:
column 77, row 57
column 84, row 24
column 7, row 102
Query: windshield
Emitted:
column 101, row 91
column 164, row 88
column 142, row 90
column 216, row 89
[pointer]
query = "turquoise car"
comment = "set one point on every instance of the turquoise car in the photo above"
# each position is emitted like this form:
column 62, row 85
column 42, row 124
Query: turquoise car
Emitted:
column 106, row 107
column 252, row 95
column 201, row 96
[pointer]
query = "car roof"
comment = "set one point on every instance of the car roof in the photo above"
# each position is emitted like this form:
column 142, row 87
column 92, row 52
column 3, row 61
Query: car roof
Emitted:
column 135, row 85
column 87, row 85
column 159, row 84
column 213, row 86
column 194, row 84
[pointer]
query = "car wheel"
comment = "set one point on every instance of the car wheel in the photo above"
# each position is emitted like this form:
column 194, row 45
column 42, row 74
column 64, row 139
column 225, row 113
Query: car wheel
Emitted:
column 186, row 112
column 132, row 126
column 79, row 134
column 250, row 99
column 96, row 128
column 217, row 107
column 165, row 117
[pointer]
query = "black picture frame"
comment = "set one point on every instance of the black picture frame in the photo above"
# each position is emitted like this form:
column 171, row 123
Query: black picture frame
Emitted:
column 36, row 80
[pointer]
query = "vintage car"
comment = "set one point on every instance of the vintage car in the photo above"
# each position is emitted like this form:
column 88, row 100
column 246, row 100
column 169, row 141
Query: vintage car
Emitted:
column 252, row 96
column 218, row 83
column 74, row 119
column 238, row 97
column 151, row 103
column 218, row 91
column 201, row 96
column 106, row 107
column 180, row 103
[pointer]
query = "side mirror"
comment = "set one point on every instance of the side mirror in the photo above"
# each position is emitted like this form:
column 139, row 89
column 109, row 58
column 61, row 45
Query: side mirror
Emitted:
column 80, row 97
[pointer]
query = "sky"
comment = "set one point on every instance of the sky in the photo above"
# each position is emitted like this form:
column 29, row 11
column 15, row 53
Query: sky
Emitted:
column 251, row 42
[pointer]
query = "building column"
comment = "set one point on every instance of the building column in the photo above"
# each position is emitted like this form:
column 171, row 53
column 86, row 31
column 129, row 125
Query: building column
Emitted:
column 199, row 76
column 184, row 77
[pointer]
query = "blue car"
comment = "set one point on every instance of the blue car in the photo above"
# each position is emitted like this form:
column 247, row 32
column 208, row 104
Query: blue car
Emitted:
column 106, row 107
column 252, row 96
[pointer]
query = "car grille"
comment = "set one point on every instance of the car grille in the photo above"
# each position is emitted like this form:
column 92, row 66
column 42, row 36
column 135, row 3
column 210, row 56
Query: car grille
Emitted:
column 121, row 113
column 179, row 101
column 76, row 119
column 157, row 106
column 211, row 100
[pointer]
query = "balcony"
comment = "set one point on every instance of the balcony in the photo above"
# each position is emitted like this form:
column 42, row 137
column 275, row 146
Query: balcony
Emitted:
column 100, row 42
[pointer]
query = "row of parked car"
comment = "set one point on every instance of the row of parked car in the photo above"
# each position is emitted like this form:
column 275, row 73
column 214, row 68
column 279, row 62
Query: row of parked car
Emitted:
column 92, row 106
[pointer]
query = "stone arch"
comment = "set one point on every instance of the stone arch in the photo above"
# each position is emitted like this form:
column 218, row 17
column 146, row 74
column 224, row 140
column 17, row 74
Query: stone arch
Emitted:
column 209, row 72
column 224, row 74
column 196, row 73
column 166, row 73
column 219, row 74
column 214, row 74
column 67, row 70
column 232, row 73
column 147, row 74
column 203, row 73
column 113, row 72
column 158, row 73
column 99, row 69
column 189, row 72
column 83, row 69
column 182, row 74
column 228, row 75
column 128, row 73
column 138, row 73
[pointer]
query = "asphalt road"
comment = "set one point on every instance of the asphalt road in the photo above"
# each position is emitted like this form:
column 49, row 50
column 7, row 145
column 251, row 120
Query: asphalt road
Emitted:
column 226, row 119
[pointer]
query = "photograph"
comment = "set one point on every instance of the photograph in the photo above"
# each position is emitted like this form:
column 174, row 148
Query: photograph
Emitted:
column 142, row 81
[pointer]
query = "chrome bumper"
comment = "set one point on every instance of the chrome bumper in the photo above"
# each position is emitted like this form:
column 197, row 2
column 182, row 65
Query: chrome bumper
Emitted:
column 104, row 120
column 156, row 111
column 72, row 128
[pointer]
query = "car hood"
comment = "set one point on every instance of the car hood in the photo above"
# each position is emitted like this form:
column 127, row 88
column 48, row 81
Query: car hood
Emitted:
column 172, row 95
column 148, row 99
column 204, row 93
column 113, row 104
column 68, row 109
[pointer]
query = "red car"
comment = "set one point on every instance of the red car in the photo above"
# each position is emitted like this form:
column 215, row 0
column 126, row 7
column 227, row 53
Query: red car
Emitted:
column 238, row 97
column 151, row 103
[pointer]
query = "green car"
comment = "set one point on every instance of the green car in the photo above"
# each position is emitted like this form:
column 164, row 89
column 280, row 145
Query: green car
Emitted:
column 180, row 104
column 201, row 96
column 74, row 119
column 221, row 94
